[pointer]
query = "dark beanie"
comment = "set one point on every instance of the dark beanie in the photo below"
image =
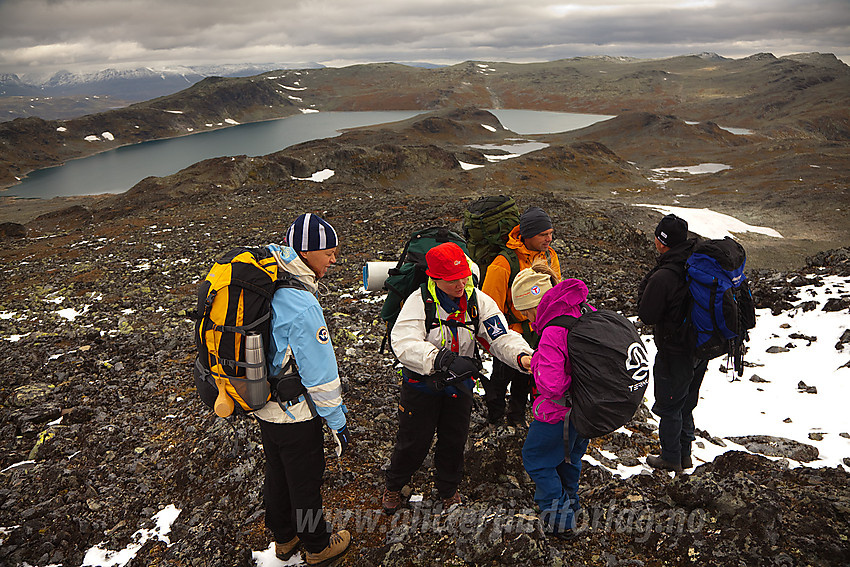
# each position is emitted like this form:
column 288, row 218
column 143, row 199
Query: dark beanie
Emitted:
column 311, row 232
column 533, row 222
column 671, row 230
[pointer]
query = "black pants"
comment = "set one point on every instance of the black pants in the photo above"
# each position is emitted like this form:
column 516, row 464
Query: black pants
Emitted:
column 678, row 378
column 295, row 463
column 497, row 386
column 420, row 415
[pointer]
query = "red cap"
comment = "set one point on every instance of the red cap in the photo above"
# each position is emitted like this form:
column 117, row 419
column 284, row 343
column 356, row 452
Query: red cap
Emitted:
column 447, row 262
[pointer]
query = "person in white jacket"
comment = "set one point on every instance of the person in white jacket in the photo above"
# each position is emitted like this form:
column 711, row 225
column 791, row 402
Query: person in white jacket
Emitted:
column 439, row 370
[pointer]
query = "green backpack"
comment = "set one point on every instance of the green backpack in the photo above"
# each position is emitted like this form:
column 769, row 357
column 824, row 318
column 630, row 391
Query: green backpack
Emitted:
column 409, row 273
column 487, row 223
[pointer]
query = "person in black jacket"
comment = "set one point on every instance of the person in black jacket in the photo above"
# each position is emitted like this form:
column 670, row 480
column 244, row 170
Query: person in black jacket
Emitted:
column 662, row 302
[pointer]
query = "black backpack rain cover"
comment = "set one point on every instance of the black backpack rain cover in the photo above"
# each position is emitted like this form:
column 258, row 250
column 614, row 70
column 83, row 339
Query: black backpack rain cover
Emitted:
column 610, row 370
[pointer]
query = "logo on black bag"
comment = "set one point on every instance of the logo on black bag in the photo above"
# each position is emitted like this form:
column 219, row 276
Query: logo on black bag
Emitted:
column 637, row 362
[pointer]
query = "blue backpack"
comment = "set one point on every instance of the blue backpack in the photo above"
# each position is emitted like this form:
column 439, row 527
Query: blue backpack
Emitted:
column 722, row 308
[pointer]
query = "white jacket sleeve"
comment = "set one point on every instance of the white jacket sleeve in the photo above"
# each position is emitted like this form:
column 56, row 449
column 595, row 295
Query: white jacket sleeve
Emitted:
column 497, row 337
column 408, row 337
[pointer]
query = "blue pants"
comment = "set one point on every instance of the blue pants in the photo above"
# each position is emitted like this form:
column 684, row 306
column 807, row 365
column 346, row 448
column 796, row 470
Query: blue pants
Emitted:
column 555, row 477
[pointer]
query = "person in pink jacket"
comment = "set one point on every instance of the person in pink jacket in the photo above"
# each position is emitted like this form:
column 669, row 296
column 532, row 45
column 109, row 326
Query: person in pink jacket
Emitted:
column 552, row 453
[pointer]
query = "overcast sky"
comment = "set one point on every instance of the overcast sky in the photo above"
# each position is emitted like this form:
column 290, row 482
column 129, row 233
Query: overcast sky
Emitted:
column 39, row 36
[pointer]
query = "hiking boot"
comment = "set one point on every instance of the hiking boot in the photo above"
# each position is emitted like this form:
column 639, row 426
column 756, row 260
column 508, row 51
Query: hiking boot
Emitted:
column 564, row 535
column 659, row 463
column 284, row 551
column 337, row 546
column 452, row 501
column 687, row 462
column 391, row 501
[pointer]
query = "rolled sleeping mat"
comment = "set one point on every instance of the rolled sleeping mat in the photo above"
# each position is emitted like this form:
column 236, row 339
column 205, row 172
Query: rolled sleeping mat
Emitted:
column 375, row 274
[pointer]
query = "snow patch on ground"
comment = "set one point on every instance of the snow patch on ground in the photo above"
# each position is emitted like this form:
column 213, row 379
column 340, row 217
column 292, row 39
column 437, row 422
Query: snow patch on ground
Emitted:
column 711, row 224
column 319, row 176
column 100, row 557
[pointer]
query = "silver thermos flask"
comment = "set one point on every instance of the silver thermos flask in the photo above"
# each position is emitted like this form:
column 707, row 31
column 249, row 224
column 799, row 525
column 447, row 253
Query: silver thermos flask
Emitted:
column 258, row 385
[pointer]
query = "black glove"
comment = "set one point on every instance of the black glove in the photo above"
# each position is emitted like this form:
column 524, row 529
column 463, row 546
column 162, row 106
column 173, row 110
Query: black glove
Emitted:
column 444, row 360
column 463, row 367
column 458, row 367
column 342, row 438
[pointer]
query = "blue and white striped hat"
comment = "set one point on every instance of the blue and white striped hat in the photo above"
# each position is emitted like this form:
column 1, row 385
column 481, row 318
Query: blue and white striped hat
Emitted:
column 311, row 232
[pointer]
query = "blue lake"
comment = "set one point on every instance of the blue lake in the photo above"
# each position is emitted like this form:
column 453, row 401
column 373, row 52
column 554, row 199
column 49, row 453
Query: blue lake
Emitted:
column 118, row 170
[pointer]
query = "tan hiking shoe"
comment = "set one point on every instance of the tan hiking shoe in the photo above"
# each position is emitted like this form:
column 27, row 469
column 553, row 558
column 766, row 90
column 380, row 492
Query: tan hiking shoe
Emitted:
column 391, row 501
column 451, row 502
column 284, row 551
column 336, row 548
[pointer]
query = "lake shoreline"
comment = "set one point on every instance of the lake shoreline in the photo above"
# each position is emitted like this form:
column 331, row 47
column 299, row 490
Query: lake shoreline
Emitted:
column 172, row 160
column 6, row 186
column 534, row 118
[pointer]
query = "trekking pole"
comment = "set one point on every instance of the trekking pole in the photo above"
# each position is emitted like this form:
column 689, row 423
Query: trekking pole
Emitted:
column 339, row 467
column 734, row 354
column 738, row 359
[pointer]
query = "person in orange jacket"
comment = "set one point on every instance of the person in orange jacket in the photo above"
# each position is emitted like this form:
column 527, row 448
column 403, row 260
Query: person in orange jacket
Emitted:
column 527, row 242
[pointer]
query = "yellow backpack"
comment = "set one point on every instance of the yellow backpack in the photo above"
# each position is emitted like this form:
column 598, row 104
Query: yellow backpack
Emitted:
column 234, row 308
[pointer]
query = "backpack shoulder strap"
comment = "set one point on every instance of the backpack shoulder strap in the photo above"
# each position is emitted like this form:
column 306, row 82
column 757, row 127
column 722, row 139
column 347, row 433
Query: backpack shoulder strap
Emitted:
column 566, row 321
column 285, row 279
column 472, row 310
column 513, row 262
column 431, row 319
column 430, row 308
column 683, row 293
column 677, row 268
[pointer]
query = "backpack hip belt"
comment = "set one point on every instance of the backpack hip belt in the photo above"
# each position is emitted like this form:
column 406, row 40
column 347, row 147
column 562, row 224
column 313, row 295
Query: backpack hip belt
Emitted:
column 288, row 390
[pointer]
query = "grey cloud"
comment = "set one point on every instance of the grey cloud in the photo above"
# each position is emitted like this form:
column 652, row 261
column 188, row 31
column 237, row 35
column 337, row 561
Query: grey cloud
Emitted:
column 67, row 33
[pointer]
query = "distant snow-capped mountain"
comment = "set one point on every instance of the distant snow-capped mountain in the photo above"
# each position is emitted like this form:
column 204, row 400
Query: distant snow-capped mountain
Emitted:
column 130, row 84
column 710, row 56
column 143, row 83
column 12, row 85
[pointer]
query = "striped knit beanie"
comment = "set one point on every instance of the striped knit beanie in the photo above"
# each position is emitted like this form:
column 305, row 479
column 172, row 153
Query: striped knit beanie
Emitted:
column 310, row 232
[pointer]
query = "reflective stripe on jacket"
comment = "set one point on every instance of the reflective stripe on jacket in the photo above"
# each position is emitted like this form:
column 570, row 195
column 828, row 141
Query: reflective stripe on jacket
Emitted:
column 298, row 329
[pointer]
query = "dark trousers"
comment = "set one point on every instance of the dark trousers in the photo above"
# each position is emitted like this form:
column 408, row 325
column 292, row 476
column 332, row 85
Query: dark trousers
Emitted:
column 678, row 378
column 295, row 463
column 497, row 386
column 420, row 415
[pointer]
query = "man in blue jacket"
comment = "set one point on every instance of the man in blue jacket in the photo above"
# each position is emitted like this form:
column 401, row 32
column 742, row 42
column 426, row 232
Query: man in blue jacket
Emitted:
column 293, row 442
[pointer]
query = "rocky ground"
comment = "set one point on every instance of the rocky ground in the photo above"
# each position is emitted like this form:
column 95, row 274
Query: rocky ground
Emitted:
column 101, row 427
